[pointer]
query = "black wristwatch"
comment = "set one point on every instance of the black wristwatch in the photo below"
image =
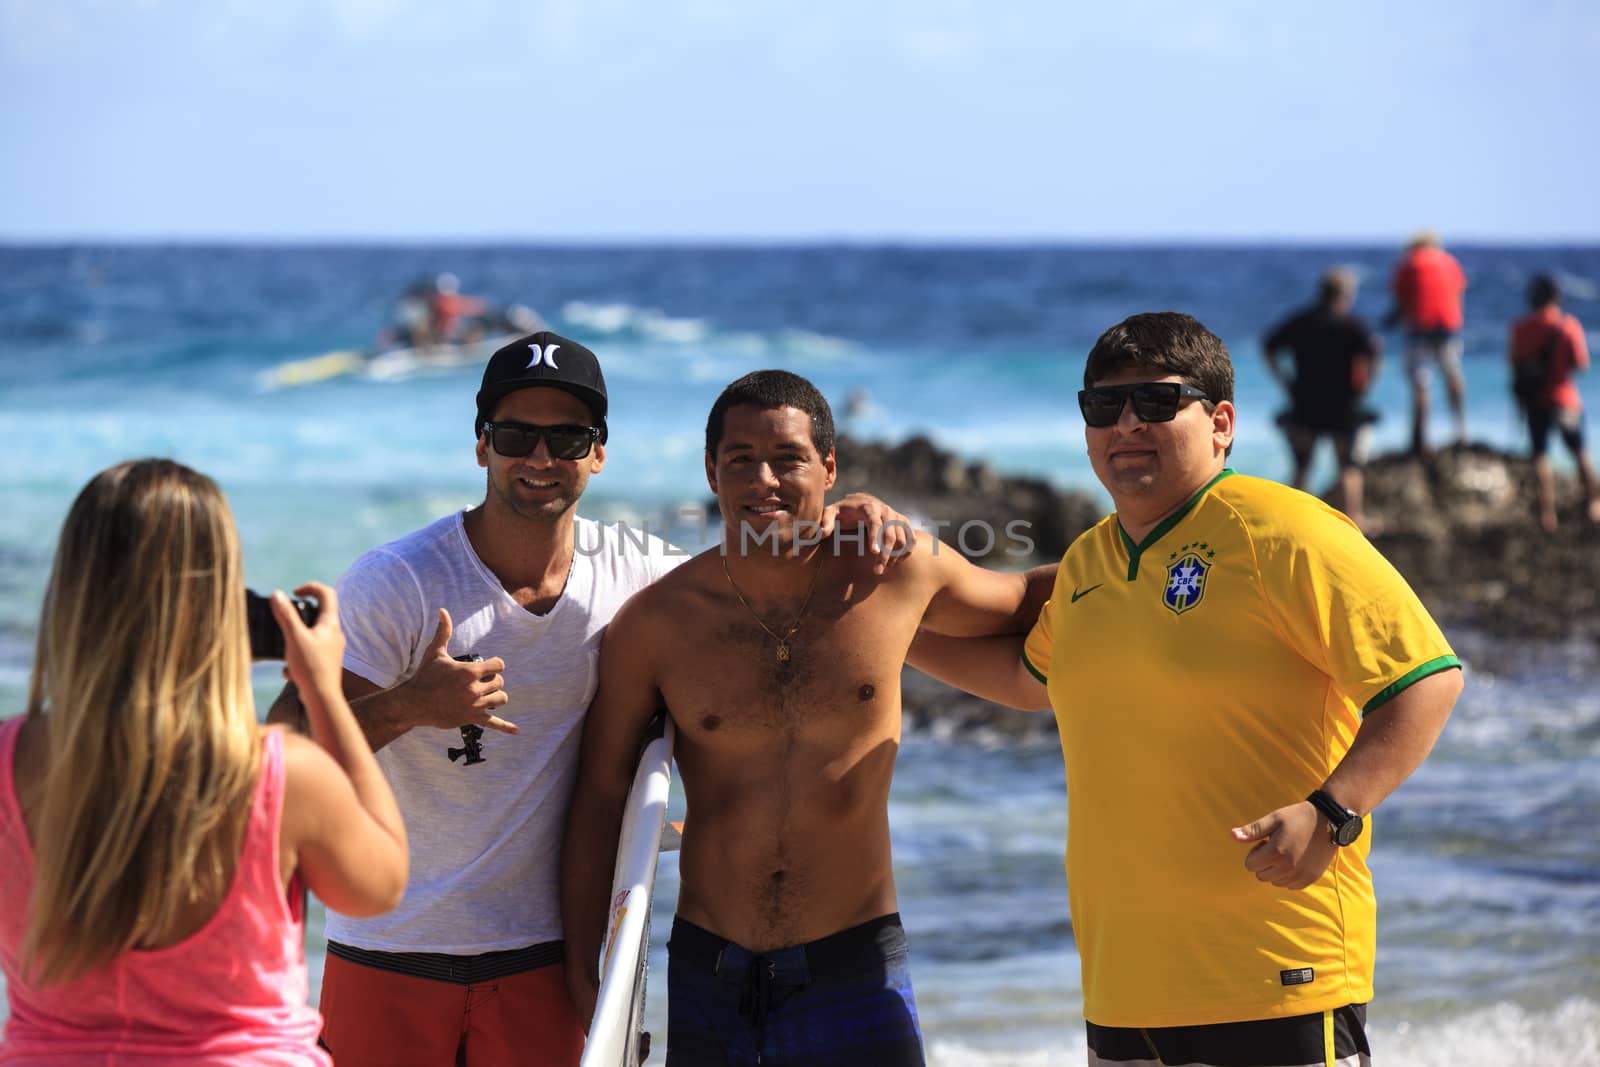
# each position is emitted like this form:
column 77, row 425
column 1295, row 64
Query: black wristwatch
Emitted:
column 1346, row 823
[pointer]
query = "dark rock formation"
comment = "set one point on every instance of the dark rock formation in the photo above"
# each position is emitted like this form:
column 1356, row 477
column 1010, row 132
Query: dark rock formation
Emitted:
column 925, row 482
column 1460, row 525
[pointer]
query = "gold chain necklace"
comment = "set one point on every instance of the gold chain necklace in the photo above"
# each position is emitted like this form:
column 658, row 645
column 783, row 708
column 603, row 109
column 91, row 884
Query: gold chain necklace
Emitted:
column 783, row 638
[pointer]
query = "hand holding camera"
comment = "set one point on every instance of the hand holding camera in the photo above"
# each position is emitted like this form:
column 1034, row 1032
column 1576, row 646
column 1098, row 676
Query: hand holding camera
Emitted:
column 312, row 648
column 266, row 636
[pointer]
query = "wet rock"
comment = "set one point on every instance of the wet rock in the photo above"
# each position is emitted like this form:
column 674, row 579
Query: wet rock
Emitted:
column 989, row 517
column 1460, row 525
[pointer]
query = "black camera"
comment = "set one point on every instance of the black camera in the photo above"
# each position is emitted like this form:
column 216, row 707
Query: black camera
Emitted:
column 266, row 637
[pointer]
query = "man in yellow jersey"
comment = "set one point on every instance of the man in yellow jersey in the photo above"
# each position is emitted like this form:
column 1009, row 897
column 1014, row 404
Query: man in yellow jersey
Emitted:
column 1239, row 679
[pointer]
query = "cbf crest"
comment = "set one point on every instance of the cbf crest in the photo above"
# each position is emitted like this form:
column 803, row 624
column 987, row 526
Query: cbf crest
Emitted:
column 1186, row 577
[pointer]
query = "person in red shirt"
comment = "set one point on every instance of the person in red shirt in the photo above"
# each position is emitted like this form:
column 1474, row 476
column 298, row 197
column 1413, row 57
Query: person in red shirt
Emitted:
column 1427, row 286
column 1547, row 350
column 448, row 308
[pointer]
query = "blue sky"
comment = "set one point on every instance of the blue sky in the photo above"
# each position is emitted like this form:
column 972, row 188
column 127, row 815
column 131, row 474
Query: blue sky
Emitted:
column 478, row 120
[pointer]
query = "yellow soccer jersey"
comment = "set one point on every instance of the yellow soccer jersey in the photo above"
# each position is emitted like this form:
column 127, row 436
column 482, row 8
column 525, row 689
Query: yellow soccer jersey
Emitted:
column 1202, row 679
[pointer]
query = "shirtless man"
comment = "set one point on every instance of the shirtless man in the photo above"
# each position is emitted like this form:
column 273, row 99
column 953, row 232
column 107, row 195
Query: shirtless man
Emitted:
column 780, row 663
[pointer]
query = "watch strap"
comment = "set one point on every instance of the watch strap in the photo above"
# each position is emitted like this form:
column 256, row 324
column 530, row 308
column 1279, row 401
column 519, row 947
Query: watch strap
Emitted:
column 1335, row 812
column 1346, row 824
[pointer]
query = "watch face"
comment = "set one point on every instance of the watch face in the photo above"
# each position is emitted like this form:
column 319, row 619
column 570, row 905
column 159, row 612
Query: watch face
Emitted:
column 1348, row 832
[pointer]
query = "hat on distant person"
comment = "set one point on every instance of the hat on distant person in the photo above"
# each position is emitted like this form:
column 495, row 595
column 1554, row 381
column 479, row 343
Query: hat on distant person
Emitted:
column 1424, row 238
column 543, row 359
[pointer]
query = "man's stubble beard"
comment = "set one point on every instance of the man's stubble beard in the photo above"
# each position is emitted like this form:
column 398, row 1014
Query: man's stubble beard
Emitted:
column 550, row 511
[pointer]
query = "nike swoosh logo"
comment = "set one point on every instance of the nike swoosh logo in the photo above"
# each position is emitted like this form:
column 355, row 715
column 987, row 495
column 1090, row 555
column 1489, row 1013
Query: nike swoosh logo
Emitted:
column 1077, row 596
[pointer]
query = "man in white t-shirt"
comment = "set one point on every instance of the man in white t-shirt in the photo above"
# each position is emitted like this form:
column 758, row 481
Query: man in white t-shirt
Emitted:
column 469, row 968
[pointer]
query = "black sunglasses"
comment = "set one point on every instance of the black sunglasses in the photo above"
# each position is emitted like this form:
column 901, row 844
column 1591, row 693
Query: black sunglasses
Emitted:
column 519, row 439
column 1152, row 401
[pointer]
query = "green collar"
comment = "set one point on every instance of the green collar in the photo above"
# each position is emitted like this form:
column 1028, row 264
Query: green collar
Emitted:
column 1135, row 551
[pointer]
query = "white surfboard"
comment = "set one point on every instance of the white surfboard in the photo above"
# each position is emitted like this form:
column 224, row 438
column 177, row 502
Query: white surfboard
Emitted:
column 312, row 369
column 398, row 364
column 392, row 365
column 616, row 1035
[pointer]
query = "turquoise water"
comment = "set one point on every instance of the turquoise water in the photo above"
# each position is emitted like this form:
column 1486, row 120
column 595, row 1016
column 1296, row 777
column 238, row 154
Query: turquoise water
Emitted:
column 1487, row 862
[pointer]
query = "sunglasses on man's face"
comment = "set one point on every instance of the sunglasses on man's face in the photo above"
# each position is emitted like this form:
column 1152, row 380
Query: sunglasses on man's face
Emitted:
column 1152, row 401
column 518, row 439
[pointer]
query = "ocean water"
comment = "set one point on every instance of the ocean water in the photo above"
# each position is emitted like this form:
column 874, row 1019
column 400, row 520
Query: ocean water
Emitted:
column 1487, row 861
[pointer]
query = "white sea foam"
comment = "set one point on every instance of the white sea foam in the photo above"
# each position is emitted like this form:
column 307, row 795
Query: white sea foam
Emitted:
column 818, row 346
column 601, row 318
column 658, row 327
column 1502, row 1033
column 646, row 322
column 1568, row 1034
column 1576, row 286
column 944, row 1054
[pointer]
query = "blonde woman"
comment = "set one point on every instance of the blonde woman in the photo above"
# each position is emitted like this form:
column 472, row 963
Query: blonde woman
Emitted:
column 155, row 841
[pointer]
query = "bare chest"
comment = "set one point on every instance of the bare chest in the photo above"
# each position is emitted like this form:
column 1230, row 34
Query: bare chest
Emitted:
column 838, row 670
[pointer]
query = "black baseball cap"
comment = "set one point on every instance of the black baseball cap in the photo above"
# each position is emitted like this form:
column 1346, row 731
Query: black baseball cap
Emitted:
column 543, row 359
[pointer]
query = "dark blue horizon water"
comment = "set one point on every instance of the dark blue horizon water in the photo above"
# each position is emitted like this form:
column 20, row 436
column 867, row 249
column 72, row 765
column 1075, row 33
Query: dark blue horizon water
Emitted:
column 980, row 347
column 1487, row 864
column 890, row 294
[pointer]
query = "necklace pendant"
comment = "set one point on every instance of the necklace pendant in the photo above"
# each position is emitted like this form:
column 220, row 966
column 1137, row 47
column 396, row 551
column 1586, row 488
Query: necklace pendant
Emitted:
column 783, row 652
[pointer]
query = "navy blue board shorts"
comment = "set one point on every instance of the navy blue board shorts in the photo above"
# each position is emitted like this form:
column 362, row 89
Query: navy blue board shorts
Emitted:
column 842, row 1001
column 1565, row 421
column 1333, row 1038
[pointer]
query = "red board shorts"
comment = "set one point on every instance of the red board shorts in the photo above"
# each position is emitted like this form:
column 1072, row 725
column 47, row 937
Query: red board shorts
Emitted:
column 378, row 1017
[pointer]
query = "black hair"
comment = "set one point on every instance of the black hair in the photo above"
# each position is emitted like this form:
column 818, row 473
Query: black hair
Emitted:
column 1167, row 341
column 1543, row 291
column 767, row 389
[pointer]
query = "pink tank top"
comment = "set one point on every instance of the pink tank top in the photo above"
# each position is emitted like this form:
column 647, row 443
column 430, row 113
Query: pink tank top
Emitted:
column 233, row 993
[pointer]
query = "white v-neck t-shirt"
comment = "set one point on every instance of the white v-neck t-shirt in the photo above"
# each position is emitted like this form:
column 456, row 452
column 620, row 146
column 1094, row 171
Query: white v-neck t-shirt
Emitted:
column 486, row 838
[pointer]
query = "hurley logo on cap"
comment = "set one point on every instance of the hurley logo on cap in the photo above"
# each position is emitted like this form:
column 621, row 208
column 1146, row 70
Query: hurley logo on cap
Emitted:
column 530, row 362
column 545, row 354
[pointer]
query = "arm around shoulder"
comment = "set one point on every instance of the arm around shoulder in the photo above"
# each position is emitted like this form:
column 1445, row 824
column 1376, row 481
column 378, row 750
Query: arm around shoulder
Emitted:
column 973, row 601
column 974, row 632
column 993, row 668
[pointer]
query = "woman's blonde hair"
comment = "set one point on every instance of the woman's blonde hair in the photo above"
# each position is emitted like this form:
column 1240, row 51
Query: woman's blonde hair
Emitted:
column 142, row 682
